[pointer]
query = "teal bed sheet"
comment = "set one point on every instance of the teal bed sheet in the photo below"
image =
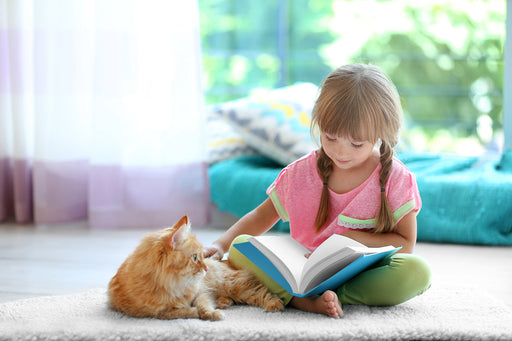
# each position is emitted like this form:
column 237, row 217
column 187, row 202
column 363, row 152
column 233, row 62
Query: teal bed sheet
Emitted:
column 464, row 200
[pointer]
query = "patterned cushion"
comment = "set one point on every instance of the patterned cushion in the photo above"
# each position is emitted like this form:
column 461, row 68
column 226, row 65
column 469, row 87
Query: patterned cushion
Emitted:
column 276, row 122
column 223, row 141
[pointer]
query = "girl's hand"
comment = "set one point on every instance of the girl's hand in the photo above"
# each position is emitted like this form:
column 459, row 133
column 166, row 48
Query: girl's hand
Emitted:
column 214, row 252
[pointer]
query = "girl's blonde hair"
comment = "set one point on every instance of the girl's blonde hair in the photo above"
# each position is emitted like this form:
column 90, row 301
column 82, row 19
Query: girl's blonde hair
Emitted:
column 360, row 102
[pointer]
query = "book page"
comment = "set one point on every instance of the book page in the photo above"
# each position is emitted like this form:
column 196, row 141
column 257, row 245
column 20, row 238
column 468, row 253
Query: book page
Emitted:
column 330, row 246
column 335, row 253
column 285, row 253
column 318, row 275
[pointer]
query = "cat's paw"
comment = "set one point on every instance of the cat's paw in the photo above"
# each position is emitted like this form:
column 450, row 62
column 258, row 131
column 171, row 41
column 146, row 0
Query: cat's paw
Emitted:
column 212, row 315
column 223, row 302
column 274, row 304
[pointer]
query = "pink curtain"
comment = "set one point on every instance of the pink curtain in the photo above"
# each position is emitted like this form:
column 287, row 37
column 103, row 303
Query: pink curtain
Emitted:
column 101, row 113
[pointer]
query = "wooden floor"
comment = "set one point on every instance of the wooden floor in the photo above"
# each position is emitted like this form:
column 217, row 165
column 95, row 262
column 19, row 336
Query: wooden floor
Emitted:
column 46, row 260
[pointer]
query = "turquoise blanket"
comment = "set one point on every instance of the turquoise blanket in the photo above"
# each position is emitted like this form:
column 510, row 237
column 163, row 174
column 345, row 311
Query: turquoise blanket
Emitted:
column 464, row 201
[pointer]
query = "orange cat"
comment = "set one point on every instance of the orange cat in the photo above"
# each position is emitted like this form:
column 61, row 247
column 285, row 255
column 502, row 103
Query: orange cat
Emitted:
column 166, row 277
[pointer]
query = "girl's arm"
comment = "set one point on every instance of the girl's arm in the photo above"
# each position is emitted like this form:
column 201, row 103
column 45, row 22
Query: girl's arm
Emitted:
column 256, row 222
column 404, row 235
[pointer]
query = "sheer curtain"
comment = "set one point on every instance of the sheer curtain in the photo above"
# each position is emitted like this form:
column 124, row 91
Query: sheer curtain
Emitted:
column 101, row 113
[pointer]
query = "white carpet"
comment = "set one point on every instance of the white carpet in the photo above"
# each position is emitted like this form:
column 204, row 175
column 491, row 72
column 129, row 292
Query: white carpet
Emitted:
column 441, row 313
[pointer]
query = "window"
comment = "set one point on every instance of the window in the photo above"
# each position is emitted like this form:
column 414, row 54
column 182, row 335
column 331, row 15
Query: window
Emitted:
column 445, row 57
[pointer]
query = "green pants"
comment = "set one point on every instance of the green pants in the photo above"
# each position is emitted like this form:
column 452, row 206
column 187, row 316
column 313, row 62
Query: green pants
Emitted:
column 392, row 281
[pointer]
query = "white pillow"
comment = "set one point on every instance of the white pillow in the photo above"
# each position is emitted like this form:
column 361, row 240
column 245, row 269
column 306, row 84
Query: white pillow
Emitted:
column 223, row 141
column 276, row 122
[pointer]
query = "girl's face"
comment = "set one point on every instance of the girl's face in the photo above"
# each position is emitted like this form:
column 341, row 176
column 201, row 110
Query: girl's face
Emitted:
column 346, row 153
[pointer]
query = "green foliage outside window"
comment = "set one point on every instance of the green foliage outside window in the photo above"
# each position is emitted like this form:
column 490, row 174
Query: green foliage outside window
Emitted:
column 445, row 57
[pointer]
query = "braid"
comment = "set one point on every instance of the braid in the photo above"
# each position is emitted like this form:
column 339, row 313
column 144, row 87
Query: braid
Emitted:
column 324, row 165
column 385, row 220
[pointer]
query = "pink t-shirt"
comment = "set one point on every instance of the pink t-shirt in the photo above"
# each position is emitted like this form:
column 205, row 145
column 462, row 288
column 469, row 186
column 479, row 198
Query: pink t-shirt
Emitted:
column 296, row 196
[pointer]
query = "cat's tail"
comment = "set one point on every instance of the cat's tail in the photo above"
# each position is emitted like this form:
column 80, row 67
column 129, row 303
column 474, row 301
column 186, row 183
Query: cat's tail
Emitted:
column 248, row 289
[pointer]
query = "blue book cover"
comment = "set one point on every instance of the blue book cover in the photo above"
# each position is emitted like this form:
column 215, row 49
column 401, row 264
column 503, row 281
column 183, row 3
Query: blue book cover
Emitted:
column 360, row 264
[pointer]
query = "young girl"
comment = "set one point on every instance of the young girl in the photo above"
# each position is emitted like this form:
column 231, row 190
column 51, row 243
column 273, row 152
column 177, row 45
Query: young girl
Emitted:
column 351, row 186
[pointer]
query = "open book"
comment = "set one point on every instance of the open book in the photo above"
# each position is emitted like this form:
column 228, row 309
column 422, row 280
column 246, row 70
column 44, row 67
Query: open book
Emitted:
column 334, row 262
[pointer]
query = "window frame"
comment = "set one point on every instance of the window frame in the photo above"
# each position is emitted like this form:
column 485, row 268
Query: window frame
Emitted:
column 507, row 81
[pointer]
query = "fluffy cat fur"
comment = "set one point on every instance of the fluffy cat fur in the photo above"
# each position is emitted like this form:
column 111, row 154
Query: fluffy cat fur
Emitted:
column 167, row 277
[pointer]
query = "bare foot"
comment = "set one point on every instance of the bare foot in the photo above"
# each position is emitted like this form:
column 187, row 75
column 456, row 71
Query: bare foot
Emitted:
column 327, row 304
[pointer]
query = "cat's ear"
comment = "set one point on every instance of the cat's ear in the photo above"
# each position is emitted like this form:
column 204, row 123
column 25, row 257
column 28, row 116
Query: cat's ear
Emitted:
column 181, row 232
